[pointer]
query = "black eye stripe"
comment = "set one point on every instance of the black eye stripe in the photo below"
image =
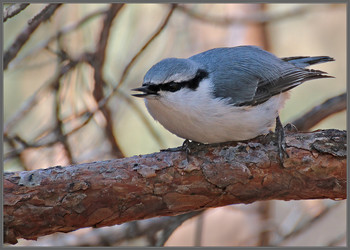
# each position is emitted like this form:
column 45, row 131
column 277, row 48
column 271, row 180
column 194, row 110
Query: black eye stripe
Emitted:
column 154, row 87
column 171, row 86
column 175, row 86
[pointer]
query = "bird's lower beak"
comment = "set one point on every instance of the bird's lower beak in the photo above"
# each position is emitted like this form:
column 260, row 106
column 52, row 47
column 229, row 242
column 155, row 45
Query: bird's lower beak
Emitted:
column 146, row 92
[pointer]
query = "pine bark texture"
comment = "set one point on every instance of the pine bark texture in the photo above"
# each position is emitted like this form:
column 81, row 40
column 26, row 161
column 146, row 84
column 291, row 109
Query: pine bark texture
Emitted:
column 105, row 193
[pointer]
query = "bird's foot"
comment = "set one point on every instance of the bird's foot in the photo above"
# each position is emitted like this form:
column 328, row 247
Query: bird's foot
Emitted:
column 290, row 127
column 281, row 141
column 189, row 146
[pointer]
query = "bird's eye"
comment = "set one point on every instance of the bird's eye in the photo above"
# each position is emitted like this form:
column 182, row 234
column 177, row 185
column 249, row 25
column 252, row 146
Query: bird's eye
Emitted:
column 172, row 86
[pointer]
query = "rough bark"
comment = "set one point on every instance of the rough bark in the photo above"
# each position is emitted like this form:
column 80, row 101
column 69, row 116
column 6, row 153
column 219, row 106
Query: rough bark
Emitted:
column 63, row 199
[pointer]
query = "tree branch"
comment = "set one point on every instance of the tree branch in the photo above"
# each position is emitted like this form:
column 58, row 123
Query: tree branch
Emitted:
column 144, row 47
column 63, row 199
column 317, row 114
column 259, row 17
column 23, row 37
column 29, row 104
column 97, row 62
column 115, row 235
column 60, row 33
column 126, row 70
column 303, row 226
column 13, row 10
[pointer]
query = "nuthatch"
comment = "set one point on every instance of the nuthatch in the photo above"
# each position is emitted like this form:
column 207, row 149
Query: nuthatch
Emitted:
column 224, row 94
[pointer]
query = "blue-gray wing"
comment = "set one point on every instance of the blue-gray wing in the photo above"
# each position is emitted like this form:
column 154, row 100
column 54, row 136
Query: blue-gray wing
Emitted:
column 248, row 75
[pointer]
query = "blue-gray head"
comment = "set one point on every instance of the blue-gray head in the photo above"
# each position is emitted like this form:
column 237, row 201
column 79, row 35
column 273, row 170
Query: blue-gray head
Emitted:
column 171, row 74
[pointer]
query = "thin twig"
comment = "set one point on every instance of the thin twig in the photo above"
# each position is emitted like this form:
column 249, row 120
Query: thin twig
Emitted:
column 24, row 36
column 12, row 142
column 141, row 114
column 42, row 140
column 317, row 114
column 18, row 151
column 264, row 208
column 307, row 224
column 36, row 97
column 337, row 240
column 260, row 17
column 173, row 225
column 137, row 55
column 25, row 108
column 65, row 30
column 103, row 102
column 97, row 62
column 109, row 236
column 39, row 95
column 14, row 9
column 61, row 137
column 199, row 230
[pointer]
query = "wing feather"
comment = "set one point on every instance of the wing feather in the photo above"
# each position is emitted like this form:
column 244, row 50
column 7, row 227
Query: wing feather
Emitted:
column 248, row 75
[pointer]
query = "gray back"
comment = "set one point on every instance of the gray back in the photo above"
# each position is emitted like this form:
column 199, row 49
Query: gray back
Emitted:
column 237, row 71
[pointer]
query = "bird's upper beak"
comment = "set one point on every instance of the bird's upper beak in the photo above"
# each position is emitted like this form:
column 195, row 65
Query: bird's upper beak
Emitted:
column 146, row 92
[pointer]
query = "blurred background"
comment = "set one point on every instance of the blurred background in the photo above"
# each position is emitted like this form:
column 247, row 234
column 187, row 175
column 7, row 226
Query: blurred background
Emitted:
column 67, row 100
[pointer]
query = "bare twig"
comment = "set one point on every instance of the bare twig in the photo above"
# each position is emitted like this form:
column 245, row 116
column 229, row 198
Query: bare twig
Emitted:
column 264, row 213
column 64, row 69
column 144, row 47
column 97, row 62
column 23, row 37
column 199, row 231
column 112, row 192
column 173, row 224
column 307, row 224
column 260, row 17
column 105, row 100
column 42, row 141
column 16, row 152
column 65, row 30
column 40, row 94
column 12, row 142
column 61, row 137
column 338, row 240
column 141, row 114
column 320, row 112
column 13, row 10
column 114, row 235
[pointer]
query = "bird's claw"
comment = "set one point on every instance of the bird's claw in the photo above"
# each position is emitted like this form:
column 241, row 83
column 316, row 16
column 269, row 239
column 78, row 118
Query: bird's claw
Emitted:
column 290, row 127
column 281, row 141
column 188, row 146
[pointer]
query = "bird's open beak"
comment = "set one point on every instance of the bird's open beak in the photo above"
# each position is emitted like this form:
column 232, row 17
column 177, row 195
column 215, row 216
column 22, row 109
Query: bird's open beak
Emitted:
column 146, row 92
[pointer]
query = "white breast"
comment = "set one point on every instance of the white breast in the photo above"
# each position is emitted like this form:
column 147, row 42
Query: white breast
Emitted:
column 199, row 117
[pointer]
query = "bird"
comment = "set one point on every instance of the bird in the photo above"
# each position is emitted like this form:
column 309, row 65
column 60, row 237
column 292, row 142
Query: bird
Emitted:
column 225, row 94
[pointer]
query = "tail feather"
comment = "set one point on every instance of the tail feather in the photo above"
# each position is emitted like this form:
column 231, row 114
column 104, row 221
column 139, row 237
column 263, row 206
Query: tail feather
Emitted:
column 289, row 79
column 304, row 61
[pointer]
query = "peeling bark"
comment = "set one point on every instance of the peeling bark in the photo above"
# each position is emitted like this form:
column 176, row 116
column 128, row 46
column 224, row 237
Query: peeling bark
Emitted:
column 104, row 193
